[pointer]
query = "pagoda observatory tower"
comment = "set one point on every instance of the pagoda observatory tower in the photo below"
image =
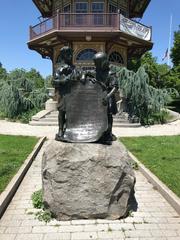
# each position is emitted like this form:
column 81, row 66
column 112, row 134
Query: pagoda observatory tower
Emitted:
column 90, row 26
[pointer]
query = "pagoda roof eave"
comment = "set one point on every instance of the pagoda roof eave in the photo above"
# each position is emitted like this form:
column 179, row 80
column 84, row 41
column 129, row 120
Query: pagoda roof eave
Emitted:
column 138, row 7
column 44, row 6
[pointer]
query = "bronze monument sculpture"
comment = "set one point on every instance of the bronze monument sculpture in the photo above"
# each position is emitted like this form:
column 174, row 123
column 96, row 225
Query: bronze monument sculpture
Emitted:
column 82, row 180
column 87, row 100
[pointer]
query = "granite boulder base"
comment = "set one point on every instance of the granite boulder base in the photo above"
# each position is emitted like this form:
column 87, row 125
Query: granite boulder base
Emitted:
column 87, row 181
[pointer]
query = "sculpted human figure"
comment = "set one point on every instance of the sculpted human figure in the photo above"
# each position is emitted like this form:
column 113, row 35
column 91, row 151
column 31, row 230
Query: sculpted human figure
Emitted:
column 108, row 82
column 63, row 76
column 104, row 75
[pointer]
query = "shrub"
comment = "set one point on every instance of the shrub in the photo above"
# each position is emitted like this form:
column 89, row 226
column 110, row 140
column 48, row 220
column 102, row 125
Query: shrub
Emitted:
column 37, row 199
column 16, row 101
column 44, row 214
column 143, row 101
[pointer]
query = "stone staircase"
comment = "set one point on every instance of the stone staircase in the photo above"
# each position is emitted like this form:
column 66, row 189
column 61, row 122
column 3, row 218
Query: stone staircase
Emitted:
column 51, row 119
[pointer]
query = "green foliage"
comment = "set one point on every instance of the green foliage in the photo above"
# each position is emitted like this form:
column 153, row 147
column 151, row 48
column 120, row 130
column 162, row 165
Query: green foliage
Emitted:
column 160, row 117
column 143, row 101
column 17, row 73
column 3, row 73
column 48, row 81
column 150, row 64
column 175, row 51
column 13, row 151
column 109, row 229
column 135, row 165
column 2, row 115
column 175, row 105
column 25, row 117
column 36, row 78
column 168, row 78
column 161, row 155
column 11, row 101
column 160, row 75
column 22, row 93
column 38, row 97
column 33, row 76
column 44, row 216
column 37, row 199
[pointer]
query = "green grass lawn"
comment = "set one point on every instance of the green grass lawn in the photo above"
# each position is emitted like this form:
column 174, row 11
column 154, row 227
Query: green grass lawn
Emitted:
column 13, row 152
column 161, row 155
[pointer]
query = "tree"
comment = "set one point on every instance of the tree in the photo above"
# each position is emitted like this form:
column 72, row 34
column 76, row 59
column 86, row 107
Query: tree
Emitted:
column 175, row 51
column 17, row 74
column 35, row 77
column 3, row 72
column 143, row 100
column 48, row 81
column 22, row 92
column 150, row 64
column 160, row 75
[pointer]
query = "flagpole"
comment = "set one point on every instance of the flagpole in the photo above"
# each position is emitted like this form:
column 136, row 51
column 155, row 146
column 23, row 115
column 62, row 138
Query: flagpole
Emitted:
column 169, row 46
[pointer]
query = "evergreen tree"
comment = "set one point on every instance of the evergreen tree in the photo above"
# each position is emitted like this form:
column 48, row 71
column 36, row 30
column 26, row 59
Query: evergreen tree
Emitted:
column 20, row 93
column 3, row 73
column 175, row 51
column 143, row 100
column 160, row 75
column 35, row 78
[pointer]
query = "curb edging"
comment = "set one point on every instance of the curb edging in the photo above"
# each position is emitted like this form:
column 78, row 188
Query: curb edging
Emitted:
column 170, row 197
column 9, row 192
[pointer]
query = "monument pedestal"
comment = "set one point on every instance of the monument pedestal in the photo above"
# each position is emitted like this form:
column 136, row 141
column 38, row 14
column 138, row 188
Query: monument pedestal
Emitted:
column 87, row 181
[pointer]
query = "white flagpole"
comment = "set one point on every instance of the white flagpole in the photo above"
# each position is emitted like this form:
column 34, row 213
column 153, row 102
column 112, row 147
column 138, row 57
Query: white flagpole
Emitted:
column 169, row 46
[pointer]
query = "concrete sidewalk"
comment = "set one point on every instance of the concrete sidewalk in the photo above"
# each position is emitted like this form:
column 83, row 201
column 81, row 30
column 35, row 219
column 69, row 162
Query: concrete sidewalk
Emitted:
column 155, row 219
column 13, row 128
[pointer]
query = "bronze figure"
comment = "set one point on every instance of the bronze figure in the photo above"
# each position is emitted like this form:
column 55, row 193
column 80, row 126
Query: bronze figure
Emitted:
column 87, row 100
column 61, row 82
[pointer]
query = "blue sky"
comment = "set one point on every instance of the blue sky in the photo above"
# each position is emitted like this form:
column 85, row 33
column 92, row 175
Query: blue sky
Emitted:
column 17, row 15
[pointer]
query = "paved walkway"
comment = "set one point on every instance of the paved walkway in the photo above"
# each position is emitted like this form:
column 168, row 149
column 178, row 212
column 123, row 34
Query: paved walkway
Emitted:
column 50, row 131
column 155, row 219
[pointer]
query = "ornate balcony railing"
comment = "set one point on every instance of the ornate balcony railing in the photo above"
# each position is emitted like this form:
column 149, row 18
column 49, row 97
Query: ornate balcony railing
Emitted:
column 90, row 21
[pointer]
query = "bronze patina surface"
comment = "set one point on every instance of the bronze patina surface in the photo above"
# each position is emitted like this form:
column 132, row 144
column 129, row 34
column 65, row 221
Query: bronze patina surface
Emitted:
column 86, row 116
column 87, row 100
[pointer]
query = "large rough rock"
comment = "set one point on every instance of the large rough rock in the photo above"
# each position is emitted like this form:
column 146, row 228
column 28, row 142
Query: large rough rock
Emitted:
column 87, row 180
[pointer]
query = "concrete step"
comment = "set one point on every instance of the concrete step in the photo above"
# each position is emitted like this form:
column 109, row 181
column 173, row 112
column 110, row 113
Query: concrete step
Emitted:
column 126, row 125
column 54, row 113
column 120, row 120
column 49, row 119
column 50, row 123
column 41, row 123
column 55, row 119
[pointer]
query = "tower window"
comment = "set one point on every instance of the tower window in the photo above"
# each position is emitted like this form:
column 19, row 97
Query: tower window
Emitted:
column 116, row 57
column 81, row 7
column 86, row 54
column 112, row 8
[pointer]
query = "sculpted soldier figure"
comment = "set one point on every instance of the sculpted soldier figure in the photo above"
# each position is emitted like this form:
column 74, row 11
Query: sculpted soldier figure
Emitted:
column 63, row 76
